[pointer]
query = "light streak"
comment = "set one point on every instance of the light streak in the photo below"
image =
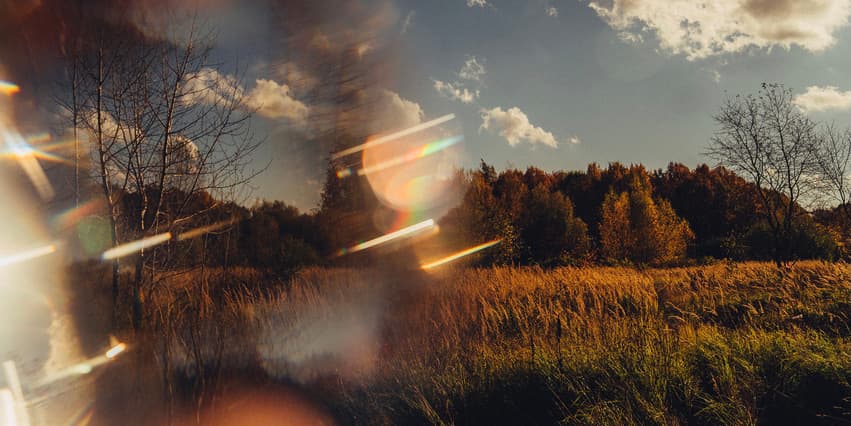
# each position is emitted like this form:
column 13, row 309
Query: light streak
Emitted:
column 115, row 350
column 460, row 254
column 86, row 366
column 20, row 149
column 26, row 148
column 8, row 88
column 389, row 237
column 421, row 152
column 27, row 255
column 8, row 407
column 18, row 402
column 83, row 415
column 197, row 232
column 134, row 246
column 393, row 136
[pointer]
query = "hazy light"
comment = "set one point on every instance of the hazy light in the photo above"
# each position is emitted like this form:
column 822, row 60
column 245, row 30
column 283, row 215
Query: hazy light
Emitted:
column 392, row 136
column 197, row 232
column 460, row 254
column 14, row 401
column 86, row 366
column 424, row 151
column 7, row 402
column 27, row 255
column 134, row 246
column 8, row 88
column 75, row 214
column 23, row 152
column 115, row 350
column 389, row 237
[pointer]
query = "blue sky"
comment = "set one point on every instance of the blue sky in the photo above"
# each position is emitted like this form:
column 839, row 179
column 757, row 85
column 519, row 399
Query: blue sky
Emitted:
column 602, row 81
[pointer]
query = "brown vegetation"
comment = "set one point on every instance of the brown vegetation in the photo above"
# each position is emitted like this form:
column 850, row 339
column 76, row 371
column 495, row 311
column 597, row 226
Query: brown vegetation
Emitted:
column 727, row 343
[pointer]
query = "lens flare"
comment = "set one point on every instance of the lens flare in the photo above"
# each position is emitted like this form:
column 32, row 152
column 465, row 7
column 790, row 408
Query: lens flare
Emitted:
column 33, row 146
column 460, row 254
column 197, row 232
column 115, row 350
column 422, row 152
column 86, row 366
column 394, row 136
column 135, row 246
column 14, row 401
column 18, row 148
column 27, row 255
column 8, row 408
column 74, row 215
column 404, row 232
column 8, row 88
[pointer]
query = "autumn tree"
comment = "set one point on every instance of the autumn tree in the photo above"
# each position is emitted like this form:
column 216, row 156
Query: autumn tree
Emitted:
column 480, row 218
column 643, row 230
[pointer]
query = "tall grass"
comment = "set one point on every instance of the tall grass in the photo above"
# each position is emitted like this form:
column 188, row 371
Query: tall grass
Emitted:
column 731, row 343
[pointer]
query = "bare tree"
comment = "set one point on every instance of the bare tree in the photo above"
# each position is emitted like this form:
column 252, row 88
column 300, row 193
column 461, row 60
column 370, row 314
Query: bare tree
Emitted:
column 767, row 139
column 166, row 126
column 834, row 166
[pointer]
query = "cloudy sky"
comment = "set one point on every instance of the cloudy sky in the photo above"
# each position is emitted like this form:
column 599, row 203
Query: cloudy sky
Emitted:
column 552, row 83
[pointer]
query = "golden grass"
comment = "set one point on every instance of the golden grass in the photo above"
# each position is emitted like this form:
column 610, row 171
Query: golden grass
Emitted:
column 726, row 343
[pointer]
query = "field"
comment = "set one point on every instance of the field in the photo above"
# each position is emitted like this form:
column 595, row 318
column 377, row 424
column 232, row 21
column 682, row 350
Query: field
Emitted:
column 728, row 343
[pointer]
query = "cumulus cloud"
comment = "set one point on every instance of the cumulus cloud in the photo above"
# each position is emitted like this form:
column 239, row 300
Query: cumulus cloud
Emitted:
column 825, row 98
column 514, row 126
column 395, row 112
column 703, row 29
column 210, row 87
column 273, row 100
column 268, row 98
column 477, row 3
column 552, row 11
column 455, row 92
column 574, row 140
column 472, row 69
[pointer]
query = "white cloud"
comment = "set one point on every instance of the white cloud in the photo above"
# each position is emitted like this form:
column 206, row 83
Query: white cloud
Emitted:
column 395, row 112
column 406, row 24
column 552, row 11
column 472, row 69
column 515, row 127
column 273, row 100
column 210, row 87
column 699, row 29
column 574, row 140
column 477, row 3
column 825, row 98
column 269, row 98
column 455, row 92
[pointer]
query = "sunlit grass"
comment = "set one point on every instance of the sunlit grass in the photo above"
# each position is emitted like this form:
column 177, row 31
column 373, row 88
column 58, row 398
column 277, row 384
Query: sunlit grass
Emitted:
column 727, row 343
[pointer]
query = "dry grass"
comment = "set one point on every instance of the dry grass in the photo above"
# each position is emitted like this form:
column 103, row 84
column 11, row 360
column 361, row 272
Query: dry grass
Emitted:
column 727, row 343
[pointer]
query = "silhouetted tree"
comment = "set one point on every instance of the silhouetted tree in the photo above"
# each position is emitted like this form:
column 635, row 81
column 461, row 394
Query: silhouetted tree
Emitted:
column 766, row 138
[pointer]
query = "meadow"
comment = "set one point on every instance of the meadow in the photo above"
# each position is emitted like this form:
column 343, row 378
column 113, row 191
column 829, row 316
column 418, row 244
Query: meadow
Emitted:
column 726, row 343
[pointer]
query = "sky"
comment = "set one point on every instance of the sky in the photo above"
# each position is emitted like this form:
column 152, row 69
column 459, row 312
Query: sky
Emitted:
column 556, row 84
